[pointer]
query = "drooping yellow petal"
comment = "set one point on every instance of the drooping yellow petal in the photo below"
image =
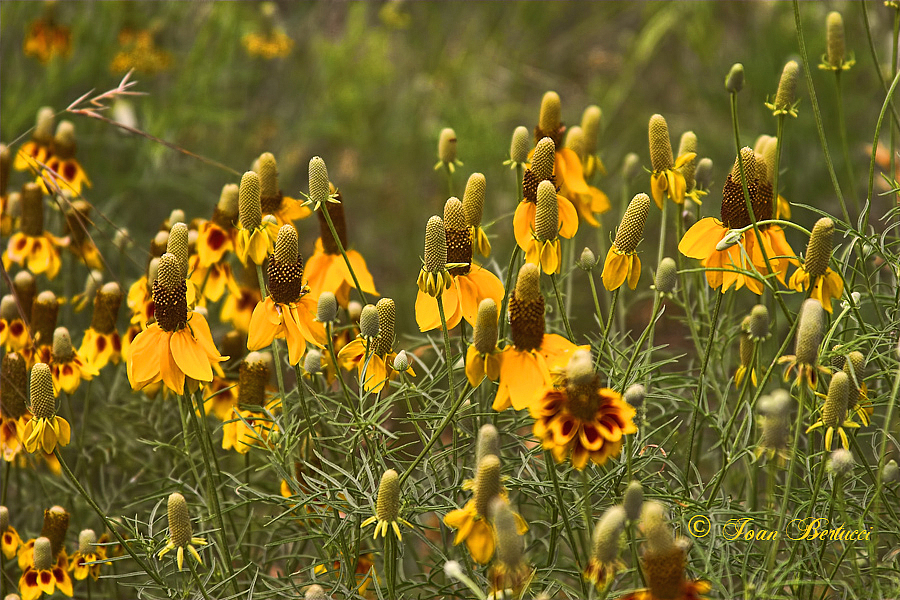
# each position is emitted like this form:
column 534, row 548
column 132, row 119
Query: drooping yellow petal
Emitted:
column 189, row 355
column 615, row 269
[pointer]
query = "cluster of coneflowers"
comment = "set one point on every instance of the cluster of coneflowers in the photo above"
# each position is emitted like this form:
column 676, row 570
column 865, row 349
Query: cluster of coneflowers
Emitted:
column 310, row 323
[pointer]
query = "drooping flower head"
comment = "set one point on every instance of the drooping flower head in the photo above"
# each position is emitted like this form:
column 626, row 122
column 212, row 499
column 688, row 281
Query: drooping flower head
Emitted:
column 590, row 125
column 810, row 331
column 78, row 219
column 834, row 411
column 622, row 262
column 248, row 423
column 604, row 562
column 45, row 429
column 44, row 573
column 180, row 531
column 9, row 537
column 815, row 274
column 31, row 246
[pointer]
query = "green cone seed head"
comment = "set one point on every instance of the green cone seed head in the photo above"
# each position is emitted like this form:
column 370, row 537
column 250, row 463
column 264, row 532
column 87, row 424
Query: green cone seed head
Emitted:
column 64, row 140
column 546, row 218
column 809, row 332
column 473, row 199
column 152, row 270
column 818, row 251
column 8, row 308
column 608, row 533
column 666, row 276
column 834, row 38
column 447, row 146
column 510, row 544
column 787, row 86
column 631, row 230
column 703, row 174
column 855, row 368
column 654, row 524
column 633, row 500
column 228, row 200
column 454, row 216
column 312, row 363
column 580, row 369
column 435, row 245
column 575, row 141
column 368, row 322
column 543, row 159
column 841, row 462
column 326, row 309
column 487, row 483
column 267, row 169
column 528, row 283
column 43, row 554
column 4, row 519
column 169, row 273
column 631, row 166
column 590, row 124
column 661, row 157
column 759, row 322
column 287, row 245
column 180, row 530
column 87, row 539
column 318, row 181
column 249, row 207
column 177, row 244
column 43, row 402
column 635, row 395
column 768, row 152
column 401, row 361
column 734, row 82
column 387, row 508
column 43, row 128
column 63, row 351
column 518, row 147
column 354, row 310
column 485, row 334
column 32, row 200
column 253, row 375
column 549, row 119
column 488, row 443
column 891, row 472
column 834, row 411
column 25, row 287
column 587, row 261
column 56, row 524
column 14, row 387
column 688, row 144
column 315, row 592
column 387, row 318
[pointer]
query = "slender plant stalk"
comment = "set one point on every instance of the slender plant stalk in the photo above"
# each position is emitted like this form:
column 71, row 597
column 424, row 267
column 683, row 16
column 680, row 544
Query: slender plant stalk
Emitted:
column 275, row 351
column 609, row 320
column 845, row 146
column 648, row 332
column 197, row 580
column 507, row 289
column 573, row 541
column 340, row 245
column 562, row 308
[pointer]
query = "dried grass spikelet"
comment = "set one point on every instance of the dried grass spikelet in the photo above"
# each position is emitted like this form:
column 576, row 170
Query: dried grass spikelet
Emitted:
column 387, row 318
column 249, row 207
column 253, row 376
column 549, row 119
column 62, row 351
column 787, row 89
column 319, row 188
column 44, row 312
column 734, row 81
column 488, row 443
column 818, row 251
column 485, row 332
column 661, row 157
column 25, row 288
column 368, row 322
column 487, row 483
column 546, row 219
column 56, row 524
column 43, row 554
column 180, row 530
column 518, row 146
column 473, row 199
column 327, row 307
column 14, row 390
column 387, row 507
column 177, row 244
column 543, row 159
column 631, row 229
column 41, row 397
column 526, row 309
column 666, row 276
column 32, row 200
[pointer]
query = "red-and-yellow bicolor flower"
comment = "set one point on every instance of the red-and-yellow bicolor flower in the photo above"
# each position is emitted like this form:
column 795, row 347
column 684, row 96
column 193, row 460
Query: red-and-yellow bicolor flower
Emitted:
column 43, row 574
column 32, row 246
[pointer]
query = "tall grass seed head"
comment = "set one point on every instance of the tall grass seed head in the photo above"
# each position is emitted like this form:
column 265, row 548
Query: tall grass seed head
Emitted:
column 633, row 500
column 841, row 462
column 543, row 159
column 15, row 384
column 546, row 220
column 473, row 199
column 734, row 81
column 487, row 483
column 327, row 307
column 549, row 119
column 180, row 530
column 62, row 351
column 666, row 276
column 368, row 322
column 759, row 322
column 387, row 507
column 810, row 332
column 661, row 157
column 590, row 125
column 43, row 402
column 608, row 534
column 488, row 443
column 56, row 524
column 818, row 251
column 249, row 206
column 587, row 261
column 319, row 190
column 387, row 319
column 518, row 147
column 486, row 332
column 510, row 543
column 631, row 229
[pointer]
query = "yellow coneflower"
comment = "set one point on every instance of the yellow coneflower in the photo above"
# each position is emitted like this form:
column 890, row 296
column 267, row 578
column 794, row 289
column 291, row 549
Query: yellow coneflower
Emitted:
column 544, row 249
column 9, row 537
column 387, row 507
column 255, row 237
column 102, row 343
column 44, row 575
column 249, row 424
column 447, row 151
column 581, row 420
column 54, row 528
column 13, row 410
column 667, row 177
column 525, row 365
column 825, row 285
column 588, row 200
column 372, row 355
column 483, row 356
column 509, row 572
column 433, row 276
column 78, row 214
column 726, row 267
column 88, row 552
column 590, row 125
column 140, row 296
column 46, row 39
column 835, row 57
column 858, row 399
column 622, row 262
column 271, row 41
column 13, row 331
column 518, row 148
column 747, row 354
column 181, row 535
column 806, row 350
column 604, row 562
column 364, row 570
column 473, row 206
column 38, row 149
column 687, row 146
column 68, row 366
column 179, row 344
column 237, row 309
column 216, row 236
column 470, row 283
column 45, row 429
column 138, row 52
column 63, row 169
column 33, row 247
column 774, row 425
column 834, row 411
column 783, row 103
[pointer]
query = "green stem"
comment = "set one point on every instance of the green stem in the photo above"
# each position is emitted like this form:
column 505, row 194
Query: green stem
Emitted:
column 661, row 252
column 551, row 467
column 303, row 405
column 648, row 332
column 639, row 579
column 590, row 276
column 197, row 580
column 562, row 308
column 609, row 320
column 882, row 455
column 337, row 240
column 845, row 146
column 275, row 351
column 391, row 564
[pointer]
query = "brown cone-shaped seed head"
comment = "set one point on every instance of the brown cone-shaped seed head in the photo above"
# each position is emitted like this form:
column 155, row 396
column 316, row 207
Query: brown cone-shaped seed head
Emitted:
column 435, row 245
column 661, row 157
column 664, row 571
column 8, row 308
column 249, row 206
column 485, row 333
column 56, row 524
column 526, row 309
column 488, row 443
column 177, row 244
column 546, row 220
column 107, row 301
column 43, row 402
column 575, row 141
column 32, row 200
column 447, row 146
column 326, row 309
column 734, row 208
column 633, row 501
column 170, row 294
column 13, row 386
column 510, row 543
column 253, row 375
column 809, row 332
column 834, row 411
column 549, row 118
column 590, row 124
column 607, row 533
column 387, row 318
column 834, row 39
column 44, row 311
column 518, row 147
column 387, row 508
column 368, row 322
column 25, row 288
column 87, row 539
column 759, row 322
column 818, row 251
column 267, row 169
column 543, row 159
column 473, row 199
column 319, row 188
column 43, row 555
column 487, row 484
column 63, row 351
column 454, row 215
column 43, row 127
column 180, row 530
column 734, row 81
column 287, row 245
column 666, row 276
column 787, row 86
column 631, row 230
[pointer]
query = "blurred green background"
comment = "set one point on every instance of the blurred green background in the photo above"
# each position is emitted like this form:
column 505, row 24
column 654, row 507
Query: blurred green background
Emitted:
column 368, row 86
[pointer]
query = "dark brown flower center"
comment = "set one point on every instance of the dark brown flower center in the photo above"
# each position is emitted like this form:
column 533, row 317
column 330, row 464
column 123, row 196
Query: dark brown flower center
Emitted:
column 170, row 305
column 285, row 280
column 106, row 310
column 336, row 212
column 459, row 249
column 526, row 322
column 557, row 136
column 252, row 381
column 584, row 399
column 271, row 204
column 734, row 209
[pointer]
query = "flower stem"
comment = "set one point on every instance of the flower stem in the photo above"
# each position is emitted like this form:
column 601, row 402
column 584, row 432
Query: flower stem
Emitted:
column 278, row 374
column 303, row 405
column 449, row 358
column 648, row 332
column 609, row 320
column 551, row 467
column 844, row 144
column 562, row 308
column 197, row 580
column 506, row 289
column 337, row 240
column 391, row 564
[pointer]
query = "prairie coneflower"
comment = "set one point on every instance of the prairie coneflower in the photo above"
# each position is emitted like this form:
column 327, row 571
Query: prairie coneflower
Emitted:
column 13, row 410
column 138, row 52
column 835, row 57
column 470, row 284
column 88, row 552
column 580, row 419
column 31, row 246
column 858, row 399
column 726, row 267
column 509, row 572
column 140, row 296
column 604, row 562
column 46, row 39
column 372, row 355
column 667, row 177
column 78, row 218
column 68, row 366
column 590, row 125
column 102, row 343
column 447, row 151
column 43, row 574
column 783, row 103
column 588, row 200
column 238, row 307
column 255, row 237
column 544, row 249
column 815, row 273
column 181, row 534
column 179, row 344
column 38, row 148
column 271, row 41
column 473, row 207
column 774, row 425
column 746, row 351
column 688, row 146
column 364, row 570
column 13, row 331
column 542, row 169
column 272, row 199
column 288, row 311
column 806, row 349
column 622, row 262
column 767, row 146
column 9, row 537
column 249, row 424
column 387, row 507
column 483, row 356
column 525, row 365
column 63, row 169
column 216, row 236
column 45, row 429
column 834, row 411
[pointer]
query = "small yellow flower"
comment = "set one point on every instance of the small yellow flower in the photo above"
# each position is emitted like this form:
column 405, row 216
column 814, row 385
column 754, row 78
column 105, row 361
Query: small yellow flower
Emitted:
column 622, row 262
column 387, row 507
column 45, row 429
column 834, row 411
column 180, row 532
column 815, row 273
column 667, row 177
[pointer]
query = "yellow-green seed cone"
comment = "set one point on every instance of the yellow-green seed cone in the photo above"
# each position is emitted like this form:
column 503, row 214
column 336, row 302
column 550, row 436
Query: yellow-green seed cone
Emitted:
column 590, row 124
column 401, row 361
column 688, row 144
column 14, row 390
column 734, row 82
column 326, row 309
column 228, row 200
column 63, row 351
column 387, row 508
column 32, row 200
column 633, row 501
column 43, row 128
column 546, row 218
column 287, row 245
column 64, row 140
column 769, row 151
column 809, row 332
column 435, row 245
column 488, row 443
column 834, row 39
column 267, row 169
column 759, row 322
column 543, row 159
column 169, row 274
column 666, row 276
column 575, row 141
column 607, row 533
column 510, row 543
column 454, row 216
column 518, row 147
column 55, row 526
column 855, row 368
column 528, row 283
column 249, row 207
column 487, row 483
column 180, row 531
column 661, row 157
column 8, row 308
column 787, row 87
column 312, row 362
column 655, row 526
column 177, row 244
column 587, row 260
column 387, row 318
column 4, row 519
column 834, row 411
column 818, row 251
column 447, row 146
column 473, row 199
column 87, row 539
column 486, row 332
column 43, row 402
column 318, row 181
column 43, row 554
column 368, row 322
column 631, row 229
column 549, row 118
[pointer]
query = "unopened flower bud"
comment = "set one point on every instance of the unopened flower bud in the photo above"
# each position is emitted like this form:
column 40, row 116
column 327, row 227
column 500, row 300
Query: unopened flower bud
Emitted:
column 368, row 322
column 326, row 309
column 518, row 147
column 587, row 261
column 734, row 82
column 447, row 146
column 666, row 276
column 487, row 483
column 891, row 472
column 318, row 181
column 401, row 361
column 312, row 363
column 841, row 462
column 635, row 395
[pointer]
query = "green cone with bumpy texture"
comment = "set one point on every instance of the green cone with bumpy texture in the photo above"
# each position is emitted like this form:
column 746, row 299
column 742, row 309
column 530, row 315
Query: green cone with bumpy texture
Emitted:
column 661, row 157
column 249, row 207
column 487, row 483
column 631, row 230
